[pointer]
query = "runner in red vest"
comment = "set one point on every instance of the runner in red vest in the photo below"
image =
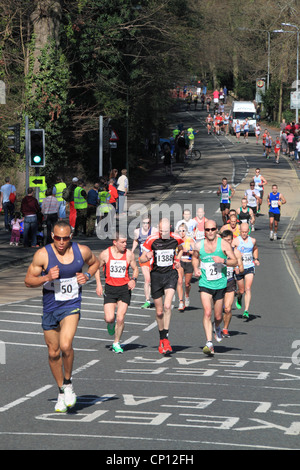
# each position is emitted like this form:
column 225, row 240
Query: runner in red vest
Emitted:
column 115, row 262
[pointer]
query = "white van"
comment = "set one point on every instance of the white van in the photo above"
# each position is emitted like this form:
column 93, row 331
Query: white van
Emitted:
column 240, row 111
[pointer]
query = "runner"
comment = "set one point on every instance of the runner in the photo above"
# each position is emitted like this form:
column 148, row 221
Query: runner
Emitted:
column 275, row 200
column 209, row 122
column 237, row 130
column 260, row 183
column 141, row 234
column 277, row 148
column 185, row 272
column 226, row 192
column 215, row 254
column 245, row 214
column 268, row 144
column 187, row 219
column 246, row 129
column 248, row 248
column 264, row 141
column 164, row 276
column 200, row 219
column 115, row 261
column 231, row 284
column 232, row 225
column 257, row 132
column 253, row 200
column 58, row 268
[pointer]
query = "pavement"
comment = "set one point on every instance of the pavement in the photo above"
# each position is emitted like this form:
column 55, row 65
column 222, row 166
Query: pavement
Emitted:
column 156, row 186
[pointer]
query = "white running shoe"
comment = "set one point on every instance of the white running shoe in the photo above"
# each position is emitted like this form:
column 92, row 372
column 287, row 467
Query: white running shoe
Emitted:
column 218, row 333
column 187, row 301
column 70, row 395
column 271, row 235
column 275, row 236
column 60, row 406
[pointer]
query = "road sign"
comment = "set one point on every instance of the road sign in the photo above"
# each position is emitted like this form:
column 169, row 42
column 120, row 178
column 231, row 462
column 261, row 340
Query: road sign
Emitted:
column 114, row 136
column 295, row 100
column 37, row 181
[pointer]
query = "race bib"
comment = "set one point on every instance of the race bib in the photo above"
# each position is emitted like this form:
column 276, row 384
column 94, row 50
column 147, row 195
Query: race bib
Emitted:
column 230, row 272
column 247, row 258
column 164, row 258
column 66, row 289
column 213, row 271
column 274, row 203
column 117, row 268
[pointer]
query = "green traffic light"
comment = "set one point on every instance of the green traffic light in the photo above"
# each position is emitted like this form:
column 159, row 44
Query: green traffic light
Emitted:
column 37, row 159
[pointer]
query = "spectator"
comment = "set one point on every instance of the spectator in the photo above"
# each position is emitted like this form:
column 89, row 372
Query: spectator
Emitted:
column 167, row 159
column 7, row 199
column 113, row 193
column 16, row 229
column 50, row 208
column 72, row 214
column 80, row 204
column 92, row 200
column 122, row 191
column 57, row 191
column 31, row 210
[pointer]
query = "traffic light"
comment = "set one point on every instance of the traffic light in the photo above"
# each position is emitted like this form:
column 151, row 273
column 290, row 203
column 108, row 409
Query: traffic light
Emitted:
column 15, row 138
column 37, row 147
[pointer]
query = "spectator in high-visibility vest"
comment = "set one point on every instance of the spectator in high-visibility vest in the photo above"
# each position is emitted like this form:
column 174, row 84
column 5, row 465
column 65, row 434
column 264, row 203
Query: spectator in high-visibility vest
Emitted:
column 80, row 204
column 57, row 192
column 42, row 193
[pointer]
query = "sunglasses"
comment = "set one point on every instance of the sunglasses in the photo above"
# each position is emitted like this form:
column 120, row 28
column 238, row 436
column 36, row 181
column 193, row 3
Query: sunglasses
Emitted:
column 57, row 238
column 144, row 222
column 210, row 229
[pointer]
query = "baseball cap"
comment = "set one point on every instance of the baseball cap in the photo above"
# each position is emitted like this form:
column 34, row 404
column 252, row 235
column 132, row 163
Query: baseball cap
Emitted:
column 74, row 180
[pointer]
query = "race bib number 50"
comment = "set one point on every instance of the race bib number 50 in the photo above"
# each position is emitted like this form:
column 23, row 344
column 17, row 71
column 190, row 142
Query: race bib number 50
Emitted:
column 66, row 289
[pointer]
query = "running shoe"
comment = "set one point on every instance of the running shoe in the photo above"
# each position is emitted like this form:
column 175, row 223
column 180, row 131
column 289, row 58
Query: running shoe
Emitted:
column 209, row 349
column 238, row 303
column 218, row 334
column 246, row 315
column 187, row 302
column 167, row 346
column 161, row 347
column 275, row 236
column 111, row 328
column 225, row 333
column 181, row 306
column 70, row 395
column 147, row 304
column 60, row 405
column 117, row 348
column 271, row 235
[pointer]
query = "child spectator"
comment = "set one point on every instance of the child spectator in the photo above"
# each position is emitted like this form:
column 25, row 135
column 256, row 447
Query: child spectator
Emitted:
column 16, row 229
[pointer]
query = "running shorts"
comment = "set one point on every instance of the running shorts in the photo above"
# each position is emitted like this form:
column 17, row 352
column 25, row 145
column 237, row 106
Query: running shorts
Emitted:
column 51, row 320
column 187, row 267
column 246, row 271
column 113, row 294
column 217, row 294
column 275, row 216
column 162, row 281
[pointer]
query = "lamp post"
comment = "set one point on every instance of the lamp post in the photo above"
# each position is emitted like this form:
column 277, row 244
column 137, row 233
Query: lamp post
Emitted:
column 297, row 70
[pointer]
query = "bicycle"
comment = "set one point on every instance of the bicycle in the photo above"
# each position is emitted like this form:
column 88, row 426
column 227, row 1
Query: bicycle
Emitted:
column 193, row 154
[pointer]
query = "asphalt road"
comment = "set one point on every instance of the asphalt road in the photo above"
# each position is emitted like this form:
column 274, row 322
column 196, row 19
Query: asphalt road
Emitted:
column 245, row 397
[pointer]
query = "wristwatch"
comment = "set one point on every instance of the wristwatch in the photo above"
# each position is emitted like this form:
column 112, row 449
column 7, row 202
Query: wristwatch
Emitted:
column 88, row 275
column 133, row 279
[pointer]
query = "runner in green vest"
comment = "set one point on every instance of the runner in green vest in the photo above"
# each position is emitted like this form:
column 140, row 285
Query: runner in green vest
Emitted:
column 215, row 254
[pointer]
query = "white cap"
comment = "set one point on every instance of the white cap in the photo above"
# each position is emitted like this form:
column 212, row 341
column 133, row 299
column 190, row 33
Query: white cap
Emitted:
column 74, row 180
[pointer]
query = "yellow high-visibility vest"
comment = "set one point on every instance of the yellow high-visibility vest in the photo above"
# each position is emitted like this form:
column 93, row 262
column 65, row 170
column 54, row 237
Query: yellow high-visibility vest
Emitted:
column 59, row 190
column 79, row 201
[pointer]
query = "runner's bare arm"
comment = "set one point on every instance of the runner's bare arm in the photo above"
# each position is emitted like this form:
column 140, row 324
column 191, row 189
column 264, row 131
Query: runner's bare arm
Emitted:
column 92, row 262
column 39, row 263
column 103, row 257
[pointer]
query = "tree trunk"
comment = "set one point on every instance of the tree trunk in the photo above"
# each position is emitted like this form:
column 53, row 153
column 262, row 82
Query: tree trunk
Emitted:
column 46, row 23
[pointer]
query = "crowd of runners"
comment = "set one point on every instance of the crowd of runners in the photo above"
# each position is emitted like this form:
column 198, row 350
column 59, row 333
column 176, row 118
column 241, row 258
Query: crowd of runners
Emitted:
column 223, row 259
